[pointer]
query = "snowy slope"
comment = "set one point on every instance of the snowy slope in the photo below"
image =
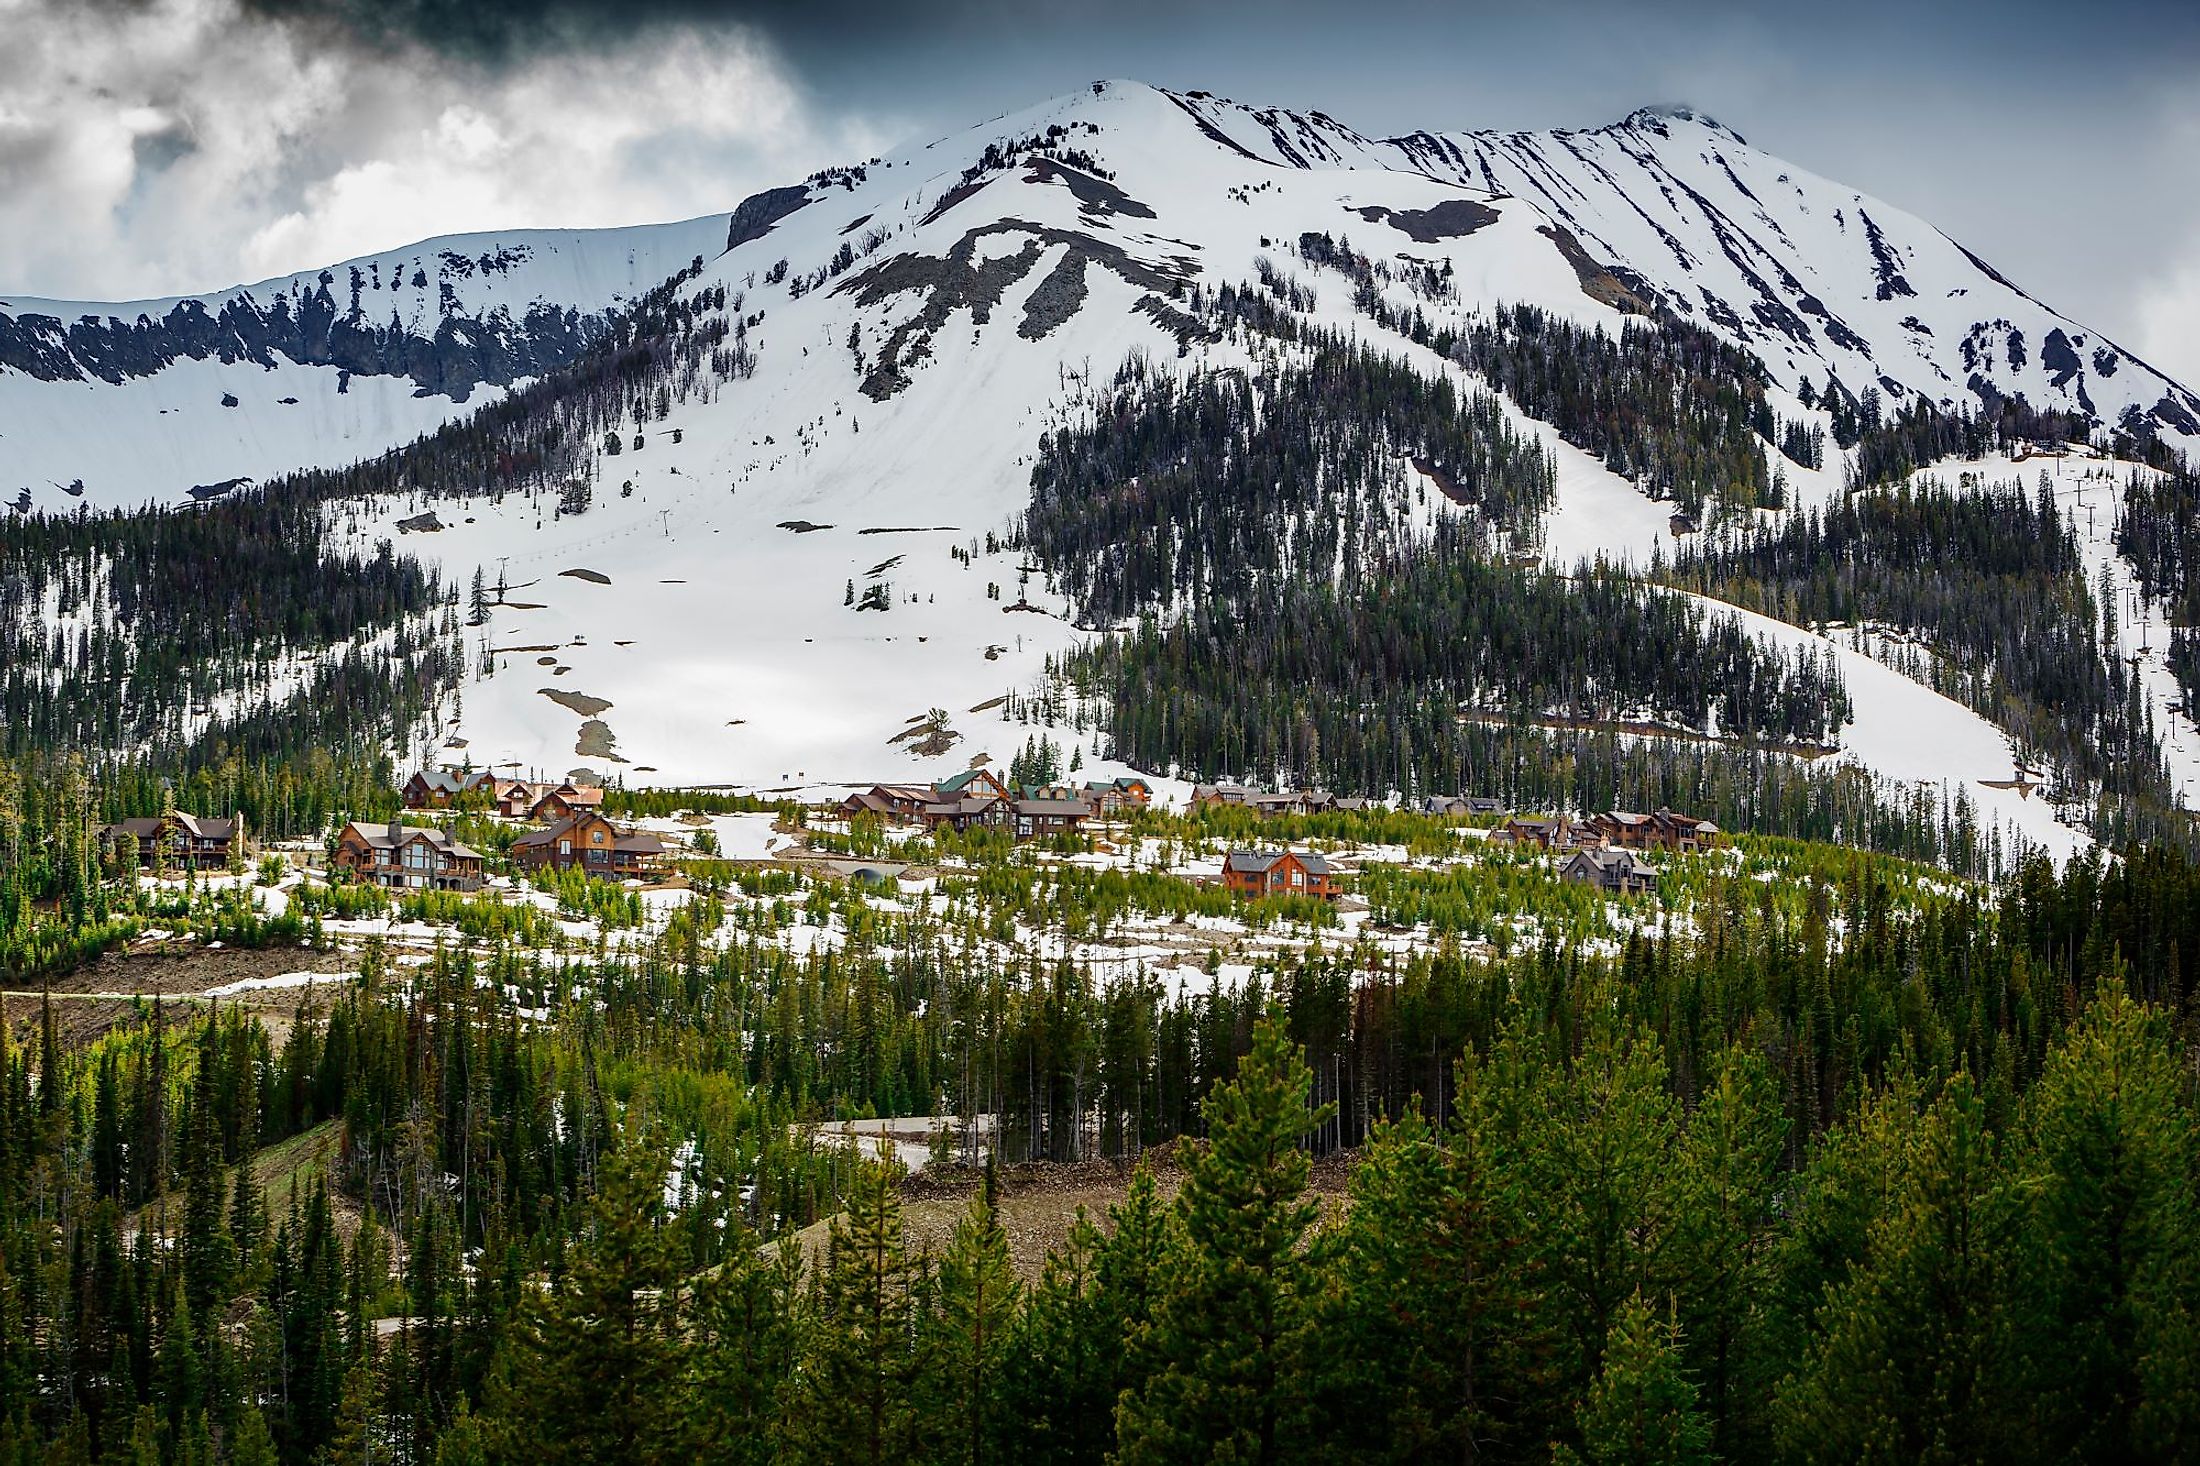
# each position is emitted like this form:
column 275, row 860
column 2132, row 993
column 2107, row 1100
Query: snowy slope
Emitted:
column 146, row 400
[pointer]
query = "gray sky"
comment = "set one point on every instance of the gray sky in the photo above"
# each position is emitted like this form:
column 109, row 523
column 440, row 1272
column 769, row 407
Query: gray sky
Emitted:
column 158, row 146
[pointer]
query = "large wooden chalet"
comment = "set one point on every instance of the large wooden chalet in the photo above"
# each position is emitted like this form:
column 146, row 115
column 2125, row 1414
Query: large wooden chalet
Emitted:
column 1661, row 829
column 407, row 857
column 1620, row 872
column 899, row 802
column 563, row 801
column 543, row 801
column 1252, row 873
column 1042, row 818
column 173, row 842
column 975, row 784
column 442, row 788
column 587, row 841
column 972, row 811
column 978, row 799
column 1454, row 805
column 1116, row 796
column 1264, row 802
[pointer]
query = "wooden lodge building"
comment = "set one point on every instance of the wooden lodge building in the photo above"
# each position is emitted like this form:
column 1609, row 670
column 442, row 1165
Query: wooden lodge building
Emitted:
column 1116, row 796
column 978, row 799
column 1661, row 829
column 563, row 802
column 398, row 856
column 1254, row 873
column 442, row 788
column 589, row 842
column 896, row 802
column 1619, row 872
column 1043, row 818
column 1549, row 832
column 172, row 842
column 1262, row 802
column 1455, row 805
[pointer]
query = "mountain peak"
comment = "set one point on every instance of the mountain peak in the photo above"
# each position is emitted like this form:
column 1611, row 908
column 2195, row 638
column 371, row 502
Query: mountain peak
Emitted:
column 1657, row 117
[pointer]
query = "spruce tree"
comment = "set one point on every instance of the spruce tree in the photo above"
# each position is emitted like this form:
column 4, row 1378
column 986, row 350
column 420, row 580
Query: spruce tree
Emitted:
column 1642, row 1409
column 978, row 1297
column 854, row 1398
column 591, row 1361
column 1226, row 1334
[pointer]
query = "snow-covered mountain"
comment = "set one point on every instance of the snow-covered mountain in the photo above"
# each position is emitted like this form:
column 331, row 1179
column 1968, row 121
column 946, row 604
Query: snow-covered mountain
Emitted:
column 905, row 330
column 149, row 399
column 1814, row 277
column 1666, row 210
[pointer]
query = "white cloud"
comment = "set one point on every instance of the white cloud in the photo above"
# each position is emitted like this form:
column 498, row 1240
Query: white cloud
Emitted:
column 184, row 145
column 2165, row 300
column 2168, row 312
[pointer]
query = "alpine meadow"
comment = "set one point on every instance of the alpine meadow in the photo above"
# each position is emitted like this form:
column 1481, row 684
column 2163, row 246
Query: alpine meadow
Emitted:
column 1154, row 782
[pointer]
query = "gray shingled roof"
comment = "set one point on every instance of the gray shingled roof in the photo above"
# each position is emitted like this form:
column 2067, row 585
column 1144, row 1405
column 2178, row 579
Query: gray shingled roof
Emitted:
column 1255, row 862
column 384, row 837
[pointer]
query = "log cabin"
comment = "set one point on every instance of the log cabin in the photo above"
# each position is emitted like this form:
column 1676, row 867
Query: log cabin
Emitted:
column 1254, row 873
column 172, row 842
column 398, row 856
column 587, row 841
column 442, row 788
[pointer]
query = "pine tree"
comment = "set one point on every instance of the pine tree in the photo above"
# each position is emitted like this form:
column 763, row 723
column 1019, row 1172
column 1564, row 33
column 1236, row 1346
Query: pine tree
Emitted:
column 977, row 1306
column 1729, row 1184
column 49, row 1055
column 742, row 1352
column 1642, row 1409
column 1227, row 1331
column 854, row 1396
column 2109, row 1299
column 252, row 1445
column 354, row 1439
column 462, row 1442
column 1064, row 1358
column 208, row 1258
column 590, row 1362
column 1911, row 1358
column 1426, row 1350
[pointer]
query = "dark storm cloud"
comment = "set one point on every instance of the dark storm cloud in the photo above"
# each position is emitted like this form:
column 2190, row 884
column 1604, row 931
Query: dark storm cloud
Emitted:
column 496, row 32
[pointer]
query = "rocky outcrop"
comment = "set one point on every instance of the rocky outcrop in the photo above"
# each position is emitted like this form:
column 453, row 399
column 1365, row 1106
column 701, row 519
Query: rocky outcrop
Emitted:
column 754, row 217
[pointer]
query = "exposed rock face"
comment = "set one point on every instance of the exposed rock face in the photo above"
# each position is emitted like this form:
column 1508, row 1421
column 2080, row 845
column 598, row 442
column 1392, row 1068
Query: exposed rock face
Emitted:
column 959, row 280
column 1058, row 297
column 754, row 217
column 1451, row 219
